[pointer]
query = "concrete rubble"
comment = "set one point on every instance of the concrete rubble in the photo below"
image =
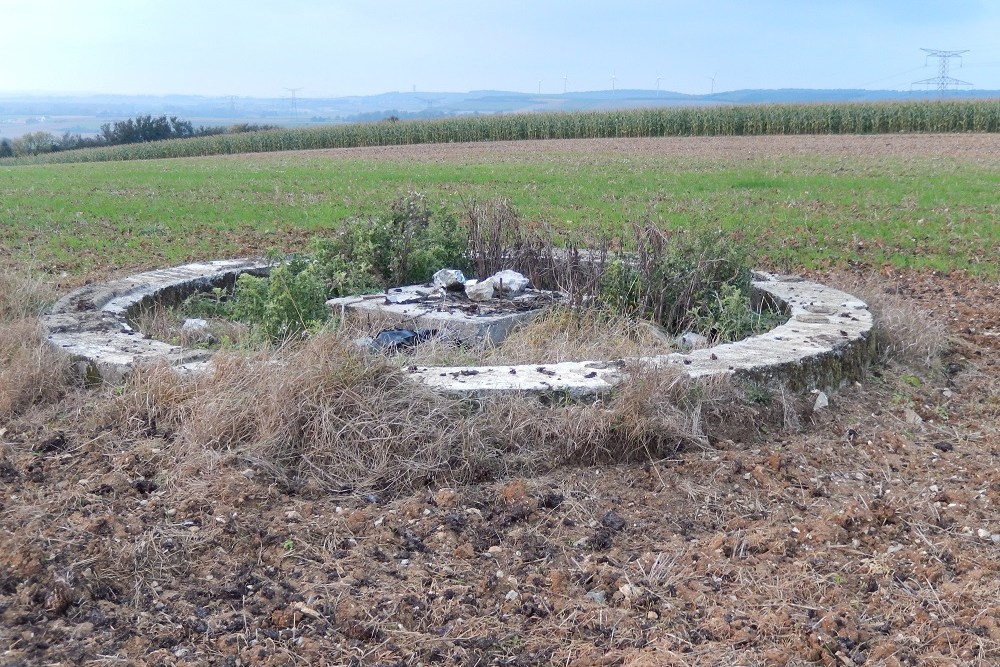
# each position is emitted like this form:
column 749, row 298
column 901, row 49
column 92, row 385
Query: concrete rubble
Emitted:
column 480, row 312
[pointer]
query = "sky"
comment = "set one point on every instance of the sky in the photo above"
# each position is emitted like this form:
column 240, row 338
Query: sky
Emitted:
column 333, row 48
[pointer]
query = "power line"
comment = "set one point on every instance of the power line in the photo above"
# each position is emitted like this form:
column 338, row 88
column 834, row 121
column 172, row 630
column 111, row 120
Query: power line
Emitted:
column 295, row 108
column 942, row 80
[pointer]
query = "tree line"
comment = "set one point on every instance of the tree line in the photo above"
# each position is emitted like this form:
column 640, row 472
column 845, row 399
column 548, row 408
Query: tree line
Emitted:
column 137, row 130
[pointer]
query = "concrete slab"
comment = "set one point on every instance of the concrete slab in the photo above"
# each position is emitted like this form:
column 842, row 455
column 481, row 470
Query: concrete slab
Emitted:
column 452, row 315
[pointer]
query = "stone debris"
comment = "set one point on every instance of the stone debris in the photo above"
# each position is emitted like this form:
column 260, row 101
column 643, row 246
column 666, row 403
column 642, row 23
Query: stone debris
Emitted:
column 510, row 283
column 506, row 283
column 403, row 297
column 692, row 341
column 449, row 279
column 480, row 291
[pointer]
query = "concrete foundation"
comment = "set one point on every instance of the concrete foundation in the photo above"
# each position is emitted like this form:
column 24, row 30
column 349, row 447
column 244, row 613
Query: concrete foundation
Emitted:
column 826, row 342
column 92, row 324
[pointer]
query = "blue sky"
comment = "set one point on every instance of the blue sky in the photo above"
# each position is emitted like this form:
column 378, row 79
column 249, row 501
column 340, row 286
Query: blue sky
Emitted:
column 353, row 47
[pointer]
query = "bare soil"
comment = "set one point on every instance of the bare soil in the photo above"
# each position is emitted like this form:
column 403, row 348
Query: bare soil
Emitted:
column 974, row 148
column 867, row 535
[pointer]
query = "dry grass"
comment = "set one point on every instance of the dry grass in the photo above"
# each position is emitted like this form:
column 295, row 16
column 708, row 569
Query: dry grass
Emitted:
column 904, row 332
column 554, row 335
column 166, row 324
column 23, row 295
column 565, row 334
column 324, row 413
column 30, row 370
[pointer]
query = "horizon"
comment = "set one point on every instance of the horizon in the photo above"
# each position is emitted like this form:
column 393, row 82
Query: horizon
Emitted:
column 571, row 93
column 319, row 50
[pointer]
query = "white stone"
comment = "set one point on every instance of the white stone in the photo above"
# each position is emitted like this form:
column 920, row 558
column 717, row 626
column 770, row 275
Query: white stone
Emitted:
column 194, row 324
column 693, row 341
column 481, row 291
column 822, row 402
column 448, row 278
column 511, row 283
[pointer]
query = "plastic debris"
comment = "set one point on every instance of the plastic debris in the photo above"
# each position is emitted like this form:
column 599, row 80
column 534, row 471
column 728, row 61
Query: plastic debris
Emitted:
column 395, row 340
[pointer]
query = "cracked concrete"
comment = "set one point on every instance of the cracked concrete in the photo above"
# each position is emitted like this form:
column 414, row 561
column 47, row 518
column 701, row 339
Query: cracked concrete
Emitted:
column 826, row 341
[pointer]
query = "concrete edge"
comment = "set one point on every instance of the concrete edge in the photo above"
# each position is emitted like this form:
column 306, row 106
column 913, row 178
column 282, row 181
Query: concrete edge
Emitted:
column 827, row 341
column 91, row 324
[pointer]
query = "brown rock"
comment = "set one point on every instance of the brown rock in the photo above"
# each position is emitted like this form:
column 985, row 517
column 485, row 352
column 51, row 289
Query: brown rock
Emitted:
column 465, row 550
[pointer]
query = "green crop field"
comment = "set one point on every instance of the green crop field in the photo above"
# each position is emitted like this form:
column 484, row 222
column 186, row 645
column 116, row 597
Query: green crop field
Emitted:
column 799, row 210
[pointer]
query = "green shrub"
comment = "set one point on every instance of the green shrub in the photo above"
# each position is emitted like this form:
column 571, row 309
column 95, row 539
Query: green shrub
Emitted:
column 290, row 301
column 405, row 247
column 682, row 281
column 362, row 255
column 730, row 316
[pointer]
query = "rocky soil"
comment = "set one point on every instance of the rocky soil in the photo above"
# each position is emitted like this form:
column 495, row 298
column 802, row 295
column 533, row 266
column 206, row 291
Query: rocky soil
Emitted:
column 863, row 534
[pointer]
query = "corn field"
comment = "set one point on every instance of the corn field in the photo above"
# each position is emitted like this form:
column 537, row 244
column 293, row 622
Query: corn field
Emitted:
column 874, row 118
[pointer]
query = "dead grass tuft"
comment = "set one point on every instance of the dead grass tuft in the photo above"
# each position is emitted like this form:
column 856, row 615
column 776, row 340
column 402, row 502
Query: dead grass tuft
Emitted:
column 321, row 411
column 23, row 295
column 30, row 370
column 904, row 332
column 325, row 414
column 554, row 335
column 167, row 324
column 574, row 334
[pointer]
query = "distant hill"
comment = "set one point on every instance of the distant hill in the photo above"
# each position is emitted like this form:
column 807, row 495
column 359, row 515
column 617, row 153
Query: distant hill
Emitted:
column 21, row 113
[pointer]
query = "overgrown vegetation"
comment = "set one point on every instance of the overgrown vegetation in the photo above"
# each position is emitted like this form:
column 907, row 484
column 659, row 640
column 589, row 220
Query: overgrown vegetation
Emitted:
column 679, row 281
column 327, row 416
column 867, row 118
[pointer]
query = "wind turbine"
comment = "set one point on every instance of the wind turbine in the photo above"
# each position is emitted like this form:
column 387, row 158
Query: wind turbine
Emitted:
column 658, row 84
column 565, row 79
column 539, row 86
column 712, row 79
column 613, row 77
